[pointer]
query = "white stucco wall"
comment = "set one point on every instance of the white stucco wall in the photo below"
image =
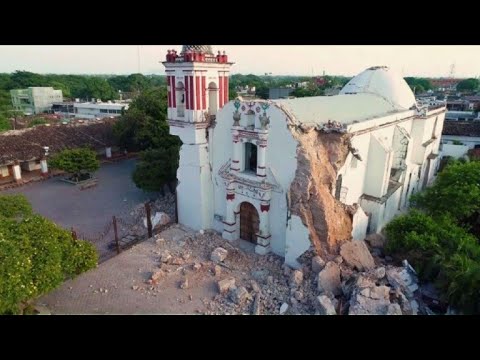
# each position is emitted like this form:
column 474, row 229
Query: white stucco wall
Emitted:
column 281, row 166
column 455, row 151
column 4, row 171
column 30, row 165
column 359, row 225
column 297, row 241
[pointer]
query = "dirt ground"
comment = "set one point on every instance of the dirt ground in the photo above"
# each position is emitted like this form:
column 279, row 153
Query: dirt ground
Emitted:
column 122, row 284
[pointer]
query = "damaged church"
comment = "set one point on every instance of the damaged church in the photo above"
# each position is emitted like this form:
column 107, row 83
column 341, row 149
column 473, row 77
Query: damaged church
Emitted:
column 292, row 174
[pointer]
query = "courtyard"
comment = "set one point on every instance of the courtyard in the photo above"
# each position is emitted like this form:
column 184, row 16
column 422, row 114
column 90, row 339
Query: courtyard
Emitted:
column 88, row 211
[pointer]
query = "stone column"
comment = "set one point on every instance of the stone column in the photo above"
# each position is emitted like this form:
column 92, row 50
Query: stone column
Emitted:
column 108, row 152
column 229, row 223
column 237, row 149
column 44, row 167
column 261, row 155
column 263, row 236
column 17, row 172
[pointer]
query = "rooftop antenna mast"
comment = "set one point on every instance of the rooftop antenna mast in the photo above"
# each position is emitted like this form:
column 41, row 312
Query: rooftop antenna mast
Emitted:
column 452, row 71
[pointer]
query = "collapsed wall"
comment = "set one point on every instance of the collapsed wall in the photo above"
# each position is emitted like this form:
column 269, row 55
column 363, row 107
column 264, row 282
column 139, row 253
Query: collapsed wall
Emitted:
column 319, row 156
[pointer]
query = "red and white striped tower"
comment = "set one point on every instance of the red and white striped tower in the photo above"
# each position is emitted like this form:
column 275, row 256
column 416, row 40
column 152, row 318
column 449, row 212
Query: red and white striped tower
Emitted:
column 197, row 82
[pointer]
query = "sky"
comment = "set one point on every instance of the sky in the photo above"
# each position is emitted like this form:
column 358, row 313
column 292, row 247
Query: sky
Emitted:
column 348, row 60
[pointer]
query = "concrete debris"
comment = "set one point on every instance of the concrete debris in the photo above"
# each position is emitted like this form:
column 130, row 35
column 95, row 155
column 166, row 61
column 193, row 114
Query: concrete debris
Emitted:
column 376, row 240
column 184, row 284
column 160, row 241
column 257, row 305
column 177, row 261
column 317, row 264
column 134, row 287
column 240, row 295
column 217, row 270
column 255, row 287
column 196, row 266
column 380, row 273
column 166, row 256
column 325, row 305
column 218, row 255
column 405, row 279
column 156, row 277
column 394, row 309
column 296, row 278
column 160, row 219
column 298, row 295
column 356, row 255
column 225, row 285
column 283, row 308
column 329, row 279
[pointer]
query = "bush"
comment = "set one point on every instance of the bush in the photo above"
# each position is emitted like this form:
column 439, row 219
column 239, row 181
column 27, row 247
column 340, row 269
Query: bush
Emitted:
column 440, row 251
column 76, row 161
column 14, row 206
column 35, row 257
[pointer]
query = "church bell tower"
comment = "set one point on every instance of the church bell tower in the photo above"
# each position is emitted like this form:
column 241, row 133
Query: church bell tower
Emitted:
column 197, row 83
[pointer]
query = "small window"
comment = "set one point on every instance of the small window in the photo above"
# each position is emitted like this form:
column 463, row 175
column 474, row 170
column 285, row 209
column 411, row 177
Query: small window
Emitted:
column 250, row 157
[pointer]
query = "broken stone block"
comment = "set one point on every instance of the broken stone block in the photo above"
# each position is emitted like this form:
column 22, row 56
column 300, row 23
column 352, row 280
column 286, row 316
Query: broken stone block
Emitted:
column 329, row 279
column 283, row 308
column 240, row 295
column 255, row 287
column 218, row 255
column 217, row 270
column 225, row 285
column 165, row 256
column 298, row 295
column 376, row 240
column 394, row 309
column 403, row 279
column 257, row 305
column 296, row 278
column 196, row 266
column 160, row 241
column 356, row 255
column 177, row 261
column 156, row 276
column 380, row 273
column 317, row 264
column 325, row 305
column 338, row 260
column 184, row 284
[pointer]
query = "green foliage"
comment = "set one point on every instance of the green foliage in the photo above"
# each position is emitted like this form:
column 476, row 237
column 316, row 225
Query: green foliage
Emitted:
column 442, row 252
column 457, row 142
column 468, row 85
column 37, row 121
column 76, row 161
column 420, row 85
column 35, row 255
column 456, row 191
column 13, row 206
column 157, row 167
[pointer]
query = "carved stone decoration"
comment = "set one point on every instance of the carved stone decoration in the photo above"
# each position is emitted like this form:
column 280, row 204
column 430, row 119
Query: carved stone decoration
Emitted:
column 236, row 118
column 264, row 121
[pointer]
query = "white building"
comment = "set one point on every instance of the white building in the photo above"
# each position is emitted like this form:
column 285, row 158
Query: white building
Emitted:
column 291, row 174
column 98, row 109
column 35, row 100
column 460, row 137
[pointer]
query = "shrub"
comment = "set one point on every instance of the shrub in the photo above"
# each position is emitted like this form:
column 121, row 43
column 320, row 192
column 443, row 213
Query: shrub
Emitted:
column 442, row 252
column 76, row 161
column 35, row 257
column 14, row 206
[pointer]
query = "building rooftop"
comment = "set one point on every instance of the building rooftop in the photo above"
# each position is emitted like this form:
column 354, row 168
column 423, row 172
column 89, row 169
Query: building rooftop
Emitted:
column 462, row 128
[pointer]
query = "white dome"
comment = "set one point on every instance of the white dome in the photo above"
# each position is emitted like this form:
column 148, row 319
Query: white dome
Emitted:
column 382, row 81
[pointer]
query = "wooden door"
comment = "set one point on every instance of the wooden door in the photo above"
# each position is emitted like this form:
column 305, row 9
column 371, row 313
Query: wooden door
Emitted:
column 249, row 222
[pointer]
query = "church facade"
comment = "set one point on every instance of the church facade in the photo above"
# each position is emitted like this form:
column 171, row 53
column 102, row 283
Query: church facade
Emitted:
column 289, row 175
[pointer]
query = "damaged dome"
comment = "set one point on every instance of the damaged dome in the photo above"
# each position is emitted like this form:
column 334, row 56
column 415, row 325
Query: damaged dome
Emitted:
column 384, row 82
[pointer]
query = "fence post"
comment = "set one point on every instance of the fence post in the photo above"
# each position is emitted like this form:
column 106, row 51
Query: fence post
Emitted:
column 149, row 219
column 116, row 234
column 74, row 235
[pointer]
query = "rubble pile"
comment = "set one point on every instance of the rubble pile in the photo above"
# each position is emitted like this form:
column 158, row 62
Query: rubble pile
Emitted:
column 354, row 283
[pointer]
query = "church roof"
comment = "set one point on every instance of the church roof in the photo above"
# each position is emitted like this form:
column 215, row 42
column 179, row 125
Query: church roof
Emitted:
column 345, row 109
column 382, row 81
column 207, row 49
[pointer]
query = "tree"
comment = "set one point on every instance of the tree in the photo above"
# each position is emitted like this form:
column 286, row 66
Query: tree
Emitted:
column 79, row 162
column 468, row 85
column 456, row 191
column 157, row 166
column 35, row 255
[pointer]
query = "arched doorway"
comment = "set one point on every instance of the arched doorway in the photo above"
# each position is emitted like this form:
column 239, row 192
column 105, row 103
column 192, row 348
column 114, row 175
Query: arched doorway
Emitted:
column 249, row 222
column 212, row 98
column 180, row 97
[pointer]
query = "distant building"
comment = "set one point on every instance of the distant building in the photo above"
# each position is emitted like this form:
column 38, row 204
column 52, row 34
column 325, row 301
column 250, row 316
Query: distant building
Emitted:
column 279, row 93
column 90, row 110
column 460, row 137
column 35, row 100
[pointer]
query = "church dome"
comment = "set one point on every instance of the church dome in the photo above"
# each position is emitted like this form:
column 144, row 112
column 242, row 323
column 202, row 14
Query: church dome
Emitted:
column 384, row 82
column 207, row 49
